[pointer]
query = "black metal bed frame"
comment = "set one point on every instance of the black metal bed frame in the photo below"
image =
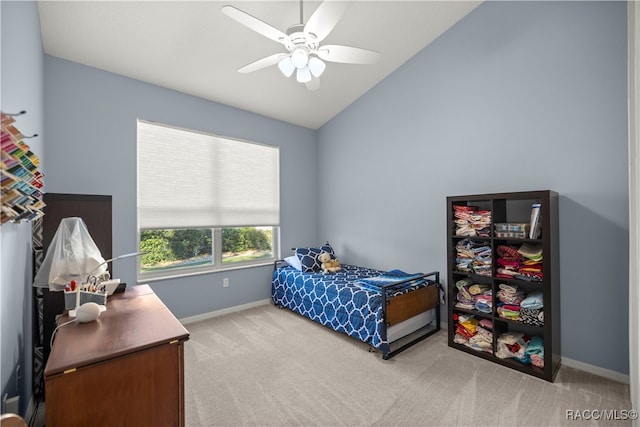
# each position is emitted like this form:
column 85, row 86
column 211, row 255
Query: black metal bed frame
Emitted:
column 430, row 330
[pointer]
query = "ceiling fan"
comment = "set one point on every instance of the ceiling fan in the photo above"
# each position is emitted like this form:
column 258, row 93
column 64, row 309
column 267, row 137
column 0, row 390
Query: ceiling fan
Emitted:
column 304, row 54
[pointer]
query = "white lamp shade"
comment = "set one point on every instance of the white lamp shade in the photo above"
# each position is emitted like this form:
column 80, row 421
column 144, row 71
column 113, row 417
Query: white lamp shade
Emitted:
column 300, row 57
column 286, row 66
column 303, row 75
column 316, row 66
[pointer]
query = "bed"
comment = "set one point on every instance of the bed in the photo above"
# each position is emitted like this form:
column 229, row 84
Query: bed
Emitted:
column 391, row 311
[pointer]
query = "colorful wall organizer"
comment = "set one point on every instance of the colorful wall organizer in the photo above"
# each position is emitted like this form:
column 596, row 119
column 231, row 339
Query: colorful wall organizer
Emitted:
column 21, row 181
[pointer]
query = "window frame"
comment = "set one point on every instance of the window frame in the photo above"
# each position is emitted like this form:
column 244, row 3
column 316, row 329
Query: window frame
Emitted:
column 217, row 255
column 217, row 265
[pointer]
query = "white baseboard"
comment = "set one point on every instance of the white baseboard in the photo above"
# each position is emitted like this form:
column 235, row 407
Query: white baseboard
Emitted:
column 205, row 316
column 595, row 370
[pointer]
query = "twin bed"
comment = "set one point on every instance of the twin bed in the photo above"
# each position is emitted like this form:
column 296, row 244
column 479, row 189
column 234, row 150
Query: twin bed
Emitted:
column 379, row 308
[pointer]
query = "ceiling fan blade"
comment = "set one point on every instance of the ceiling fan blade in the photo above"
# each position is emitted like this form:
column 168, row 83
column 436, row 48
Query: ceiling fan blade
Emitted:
column 347, row 54
column 254, row 24
column 313, row 84
column 263, row 63
column 325, row 17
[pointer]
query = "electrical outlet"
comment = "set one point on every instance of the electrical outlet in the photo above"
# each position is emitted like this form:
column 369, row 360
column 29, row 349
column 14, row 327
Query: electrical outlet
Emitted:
column 225, row 282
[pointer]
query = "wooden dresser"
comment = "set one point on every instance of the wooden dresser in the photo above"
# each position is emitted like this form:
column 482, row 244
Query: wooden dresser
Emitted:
column 124, row 369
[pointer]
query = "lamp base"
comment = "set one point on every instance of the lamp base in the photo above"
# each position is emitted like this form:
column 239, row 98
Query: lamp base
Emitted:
column 72, row 313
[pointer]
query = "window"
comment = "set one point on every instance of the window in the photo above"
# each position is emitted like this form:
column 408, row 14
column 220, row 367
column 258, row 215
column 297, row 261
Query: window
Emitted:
column 205, row 202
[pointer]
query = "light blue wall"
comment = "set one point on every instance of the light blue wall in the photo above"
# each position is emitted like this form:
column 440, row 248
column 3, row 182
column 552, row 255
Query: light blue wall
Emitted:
column 21, row 90
column 517, row 96
column 91, row 123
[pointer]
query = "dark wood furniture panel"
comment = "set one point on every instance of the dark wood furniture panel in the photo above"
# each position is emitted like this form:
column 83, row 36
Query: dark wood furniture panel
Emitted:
column 509, row 208
column 126, row 368
column 95, row 211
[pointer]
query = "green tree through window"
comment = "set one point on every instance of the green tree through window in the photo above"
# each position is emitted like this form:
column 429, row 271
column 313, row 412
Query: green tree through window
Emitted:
column 173, row 249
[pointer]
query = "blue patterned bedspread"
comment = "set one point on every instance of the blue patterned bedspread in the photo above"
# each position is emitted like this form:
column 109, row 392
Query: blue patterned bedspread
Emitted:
column 349, row 301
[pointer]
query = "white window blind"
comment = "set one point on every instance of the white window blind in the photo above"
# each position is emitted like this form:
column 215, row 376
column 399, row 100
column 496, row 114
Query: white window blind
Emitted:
column 191, row 179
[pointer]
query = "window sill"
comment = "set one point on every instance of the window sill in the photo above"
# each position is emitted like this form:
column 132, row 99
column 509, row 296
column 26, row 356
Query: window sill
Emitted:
column 143, row 279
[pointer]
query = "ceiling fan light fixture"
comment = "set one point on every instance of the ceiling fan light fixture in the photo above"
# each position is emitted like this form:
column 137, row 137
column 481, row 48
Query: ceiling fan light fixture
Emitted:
column 303, row 75
column 286, row 66
column 316, row 66
column 300, row 57
column 302, row 41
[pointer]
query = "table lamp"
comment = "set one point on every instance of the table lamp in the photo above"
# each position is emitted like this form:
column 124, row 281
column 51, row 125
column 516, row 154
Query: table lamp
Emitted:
column 91, row 284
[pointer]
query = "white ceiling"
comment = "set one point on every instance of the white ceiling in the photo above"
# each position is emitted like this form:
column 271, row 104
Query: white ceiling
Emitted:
column 193, row 48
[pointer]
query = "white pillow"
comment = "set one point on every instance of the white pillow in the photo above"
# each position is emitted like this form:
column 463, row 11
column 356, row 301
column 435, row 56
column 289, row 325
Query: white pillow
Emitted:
column 294, row 262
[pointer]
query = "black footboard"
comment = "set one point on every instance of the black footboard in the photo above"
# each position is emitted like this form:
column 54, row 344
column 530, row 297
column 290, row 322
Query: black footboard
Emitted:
column 414, row 307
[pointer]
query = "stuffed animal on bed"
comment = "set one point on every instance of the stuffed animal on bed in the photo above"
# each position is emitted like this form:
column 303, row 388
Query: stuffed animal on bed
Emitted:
column 329, row 265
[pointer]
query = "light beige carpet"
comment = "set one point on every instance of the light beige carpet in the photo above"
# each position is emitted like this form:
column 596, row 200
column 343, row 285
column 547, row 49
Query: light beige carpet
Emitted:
column 270, row 367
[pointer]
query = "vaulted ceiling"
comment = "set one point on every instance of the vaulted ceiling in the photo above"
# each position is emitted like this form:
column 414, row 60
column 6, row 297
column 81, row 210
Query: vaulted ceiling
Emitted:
column 193, row 48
